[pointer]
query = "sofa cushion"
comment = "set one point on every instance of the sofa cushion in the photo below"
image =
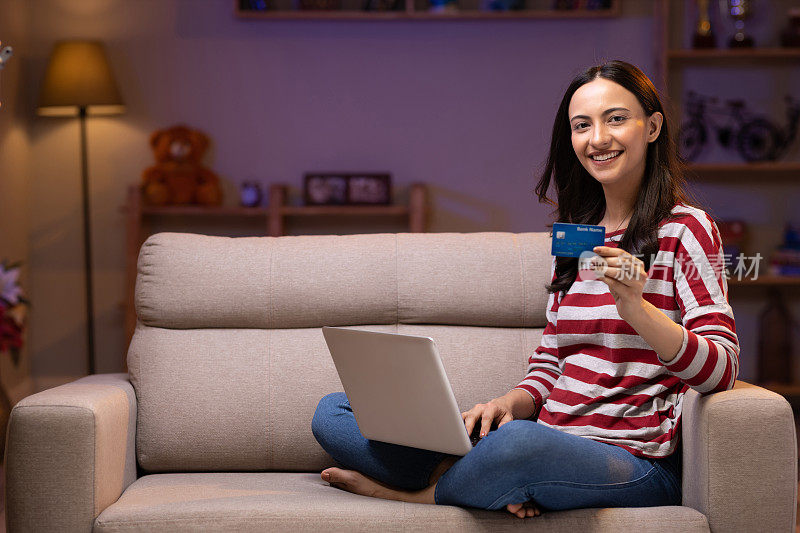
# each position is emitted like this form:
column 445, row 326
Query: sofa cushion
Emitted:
column 243, row 399
column 303, row 502
column 476, row 279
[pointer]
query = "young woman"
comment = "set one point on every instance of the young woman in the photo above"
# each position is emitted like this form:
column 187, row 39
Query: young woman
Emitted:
column 624, row 339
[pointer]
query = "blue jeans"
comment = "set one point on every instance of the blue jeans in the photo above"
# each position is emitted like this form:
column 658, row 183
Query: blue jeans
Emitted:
column 519, row 461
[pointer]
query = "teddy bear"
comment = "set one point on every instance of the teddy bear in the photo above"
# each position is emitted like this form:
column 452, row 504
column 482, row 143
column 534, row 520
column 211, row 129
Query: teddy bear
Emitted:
column 178, row 177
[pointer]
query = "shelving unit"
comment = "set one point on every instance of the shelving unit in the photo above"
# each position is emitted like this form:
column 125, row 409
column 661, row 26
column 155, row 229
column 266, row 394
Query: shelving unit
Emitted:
column 418, row 11
column 669, row 62
column 734, row 55
column 669, row 59
column 274, row 217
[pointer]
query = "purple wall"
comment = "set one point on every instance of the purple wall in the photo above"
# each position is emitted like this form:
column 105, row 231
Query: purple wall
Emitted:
column 466, row 107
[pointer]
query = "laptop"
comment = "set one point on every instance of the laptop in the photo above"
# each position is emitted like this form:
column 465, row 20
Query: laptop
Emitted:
column 398, row 389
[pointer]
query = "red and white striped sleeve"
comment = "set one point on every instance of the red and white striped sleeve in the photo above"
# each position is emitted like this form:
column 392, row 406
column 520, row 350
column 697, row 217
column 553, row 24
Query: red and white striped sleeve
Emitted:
column 708, row 360
column 543, row 365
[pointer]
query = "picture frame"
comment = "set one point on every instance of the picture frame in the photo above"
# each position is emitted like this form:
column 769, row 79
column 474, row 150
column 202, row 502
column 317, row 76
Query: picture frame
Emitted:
column 325, row 189
column 347, row 188
column 369, row 189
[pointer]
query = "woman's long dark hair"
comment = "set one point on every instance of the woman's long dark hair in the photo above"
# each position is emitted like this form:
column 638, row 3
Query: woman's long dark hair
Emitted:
column 580, row 198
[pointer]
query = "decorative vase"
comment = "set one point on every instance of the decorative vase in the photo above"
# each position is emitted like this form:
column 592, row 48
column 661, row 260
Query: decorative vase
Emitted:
column 251, row 194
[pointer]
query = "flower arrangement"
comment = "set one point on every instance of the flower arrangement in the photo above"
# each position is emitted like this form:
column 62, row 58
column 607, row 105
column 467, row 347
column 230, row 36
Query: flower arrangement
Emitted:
column 12, row 310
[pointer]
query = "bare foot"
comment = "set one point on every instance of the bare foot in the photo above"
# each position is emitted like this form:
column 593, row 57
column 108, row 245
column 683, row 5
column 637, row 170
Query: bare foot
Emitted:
column 358, row 483
column 523, row 510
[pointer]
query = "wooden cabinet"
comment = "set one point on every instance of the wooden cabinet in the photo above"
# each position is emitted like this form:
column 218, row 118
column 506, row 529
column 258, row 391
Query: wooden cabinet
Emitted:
column 411, row 216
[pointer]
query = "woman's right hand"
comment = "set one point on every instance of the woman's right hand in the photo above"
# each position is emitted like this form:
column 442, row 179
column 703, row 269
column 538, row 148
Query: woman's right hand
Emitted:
column 484, row 414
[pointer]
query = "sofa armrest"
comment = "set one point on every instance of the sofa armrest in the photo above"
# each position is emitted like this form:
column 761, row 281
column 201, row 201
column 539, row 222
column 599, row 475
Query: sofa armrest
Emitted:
column 70, row 452
column 740, row 459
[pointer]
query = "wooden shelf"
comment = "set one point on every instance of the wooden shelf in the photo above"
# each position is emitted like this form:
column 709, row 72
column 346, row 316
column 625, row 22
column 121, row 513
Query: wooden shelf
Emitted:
column 402, row 15
column 300, row 210
column 346, row 210
column 767, row 280
column 322, row 15
column 773, row 170
column 411, row 14
column 734, row 55
column 197, row 210
column 522, row 14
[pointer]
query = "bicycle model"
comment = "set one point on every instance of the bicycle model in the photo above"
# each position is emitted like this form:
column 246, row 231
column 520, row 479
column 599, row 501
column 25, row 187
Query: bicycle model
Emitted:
column 754, row 137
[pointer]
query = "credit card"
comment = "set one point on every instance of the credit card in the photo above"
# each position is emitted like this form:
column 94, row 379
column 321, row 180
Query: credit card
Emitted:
column 569, row 240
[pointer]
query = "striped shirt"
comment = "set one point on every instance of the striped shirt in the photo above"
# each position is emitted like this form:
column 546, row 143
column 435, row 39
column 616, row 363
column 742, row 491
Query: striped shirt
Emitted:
column 595, row 377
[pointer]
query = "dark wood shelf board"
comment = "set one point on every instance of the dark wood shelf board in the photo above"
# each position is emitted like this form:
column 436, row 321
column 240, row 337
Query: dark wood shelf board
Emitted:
column 399, row 15
column 312, row 210
column 516, row 15
column 551, row 14
column 767, row 280
column 776, row 170
column 733, row 55
column 322, row 15
column 197, row 210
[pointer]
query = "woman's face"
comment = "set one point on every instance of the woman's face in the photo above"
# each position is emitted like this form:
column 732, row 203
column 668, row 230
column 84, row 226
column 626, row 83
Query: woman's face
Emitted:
column 610, row 132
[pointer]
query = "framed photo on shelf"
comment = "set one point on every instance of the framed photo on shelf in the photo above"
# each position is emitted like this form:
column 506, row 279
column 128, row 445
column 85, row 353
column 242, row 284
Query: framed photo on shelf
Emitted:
column 369, row 189
column 327, row 188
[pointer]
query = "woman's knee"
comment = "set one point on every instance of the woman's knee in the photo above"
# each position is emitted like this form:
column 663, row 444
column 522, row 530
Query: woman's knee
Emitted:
column 324, row 416
column 517, row 440
column 518, row 431
column 498, row 465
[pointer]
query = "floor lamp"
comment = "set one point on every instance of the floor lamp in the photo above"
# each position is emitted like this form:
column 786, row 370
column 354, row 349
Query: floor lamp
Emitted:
column 79, row 82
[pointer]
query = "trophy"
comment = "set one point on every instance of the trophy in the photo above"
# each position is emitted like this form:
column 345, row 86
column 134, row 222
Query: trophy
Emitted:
column 703, row 34
column 738, row 10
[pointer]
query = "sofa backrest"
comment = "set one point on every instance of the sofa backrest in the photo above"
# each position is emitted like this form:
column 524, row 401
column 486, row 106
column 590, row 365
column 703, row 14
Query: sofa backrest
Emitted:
column 228, row 359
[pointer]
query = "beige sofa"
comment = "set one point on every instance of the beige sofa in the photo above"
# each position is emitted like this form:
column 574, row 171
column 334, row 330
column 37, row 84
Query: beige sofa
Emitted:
column 210, row 429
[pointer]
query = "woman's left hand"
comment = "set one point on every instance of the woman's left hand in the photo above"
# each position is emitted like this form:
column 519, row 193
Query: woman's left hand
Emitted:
column 625, row 276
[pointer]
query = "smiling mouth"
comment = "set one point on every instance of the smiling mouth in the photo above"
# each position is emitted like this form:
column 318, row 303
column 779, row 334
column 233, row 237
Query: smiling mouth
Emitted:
column 605, row 157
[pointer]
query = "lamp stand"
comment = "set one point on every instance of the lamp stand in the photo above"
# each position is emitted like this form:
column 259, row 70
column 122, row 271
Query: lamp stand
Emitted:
column 87, row 244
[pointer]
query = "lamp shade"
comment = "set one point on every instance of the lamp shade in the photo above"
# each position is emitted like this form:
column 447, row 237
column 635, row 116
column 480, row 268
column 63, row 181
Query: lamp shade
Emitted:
column 79, row 75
